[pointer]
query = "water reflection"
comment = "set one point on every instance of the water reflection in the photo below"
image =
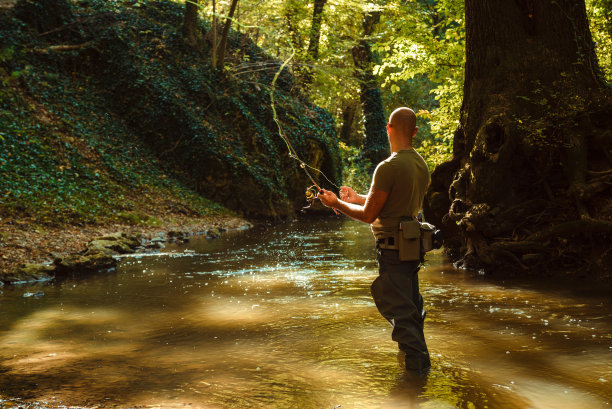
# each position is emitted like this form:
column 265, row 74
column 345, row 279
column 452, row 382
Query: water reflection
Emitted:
column 282, row 318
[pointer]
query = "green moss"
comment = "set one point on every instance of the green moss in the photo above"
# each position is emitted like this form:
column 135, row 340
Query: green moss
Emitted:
column 91, row 134
column 139, row 219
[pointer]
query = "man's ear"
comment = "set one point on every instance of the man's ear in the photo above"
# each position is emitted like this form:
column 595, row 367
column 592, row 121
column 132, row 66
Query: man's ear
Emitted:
column 416, row 128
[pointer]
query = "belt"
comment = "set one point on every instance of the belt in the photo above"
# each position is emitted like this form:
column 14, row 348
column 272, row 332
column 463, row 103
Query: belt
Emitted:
column 389, row 243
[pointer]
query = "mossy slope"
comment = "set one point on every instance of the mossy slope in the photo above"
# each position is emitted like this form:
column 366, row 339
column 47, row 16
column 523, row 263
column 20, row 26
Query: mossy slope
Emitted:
column 107, row 108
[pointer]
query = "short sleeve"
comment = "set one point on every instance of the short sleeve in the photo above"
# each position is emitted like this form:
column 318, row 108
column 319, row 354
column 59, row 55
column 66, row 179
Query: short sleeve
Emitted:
column 383, row 177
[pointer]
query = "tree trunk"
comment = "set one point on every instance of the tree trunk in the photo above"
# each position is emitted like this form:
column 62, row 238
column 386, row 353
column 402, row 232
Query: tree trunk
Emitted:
column 312, row 55
column 315, row 29
column 190, row 24
column 292, row 12
column 213, row 33
column 348, row 119
column 225, row 34
column 533, row 145
column 375, row 144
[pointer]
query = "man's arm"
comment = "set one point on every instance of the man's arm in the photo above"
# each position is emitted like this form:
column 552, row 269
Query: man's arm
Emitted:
column 367, row 213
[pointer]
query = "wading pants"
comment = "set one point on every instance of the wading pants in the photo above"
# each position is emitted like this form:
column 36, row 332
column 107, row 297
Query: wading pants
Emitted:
column 396, row 295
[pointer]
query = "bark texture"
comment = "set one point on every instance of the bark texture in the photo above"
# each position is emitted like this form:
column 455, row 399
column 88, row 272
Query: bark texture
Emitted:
column 528, row 187
column 315, row 29
column 312, row 54
column 225, row 34
column 190, row 24
column 375, row 143
column 292, row 9
column 349, row 111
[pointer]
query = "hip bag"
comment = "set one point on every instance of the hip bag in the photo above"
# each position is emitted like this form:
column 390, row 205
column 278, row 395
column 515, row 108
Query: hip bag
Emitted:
column 412, row 240
column 409, row 240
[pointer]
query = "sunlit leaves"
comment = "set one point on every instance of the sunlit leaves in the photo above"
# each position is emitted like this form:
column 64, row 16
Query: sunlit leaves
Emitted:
column 600, row 20
column 423, row 42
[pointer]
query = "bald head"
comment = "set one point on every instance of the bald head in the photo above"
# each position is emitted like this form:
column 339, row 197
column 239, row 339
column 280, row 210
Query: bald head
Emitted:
column 404, row 120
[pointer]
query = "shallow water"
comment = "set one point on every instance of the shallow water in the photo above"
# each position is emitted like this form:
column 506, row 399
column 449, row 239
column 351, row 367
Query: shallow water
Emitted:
column 283, row 318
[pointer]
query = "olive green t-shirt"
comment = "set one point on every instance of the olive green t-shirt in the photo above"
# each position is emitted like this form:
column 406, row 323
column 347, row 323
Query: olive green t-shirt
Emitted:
column 404, row 175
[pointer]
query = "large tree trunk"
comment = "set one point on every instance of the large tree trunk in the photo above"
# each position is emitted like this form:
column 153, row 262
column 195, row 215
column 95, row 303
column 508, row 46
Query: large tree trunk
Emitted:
column 528, row 188
column 190, row 24
column 375, row 144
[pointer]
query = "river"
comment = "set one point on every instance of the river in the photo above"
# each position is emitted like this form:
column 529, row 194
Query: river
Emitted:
column 281, row 317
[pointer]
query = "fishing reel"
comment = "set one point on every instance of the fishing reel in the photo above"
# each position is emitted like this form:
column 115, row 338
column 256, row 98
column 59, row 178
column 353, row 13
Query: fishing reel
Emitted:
column 311, row 195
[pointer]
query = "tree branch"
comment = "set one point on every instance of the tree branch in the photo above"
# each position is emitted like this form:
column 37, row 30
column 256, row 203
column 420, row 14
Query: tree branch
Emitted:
column 63, row 47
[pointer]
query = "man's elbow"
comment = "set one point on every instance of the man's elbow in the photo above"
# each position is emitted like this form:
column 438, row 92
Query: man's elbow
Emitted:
column 369, row 218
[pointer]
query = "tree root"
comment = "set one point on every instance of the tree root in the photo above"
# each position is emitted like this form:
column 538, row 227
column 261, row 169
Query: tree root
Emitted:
column 525, row 246
column 602, row 173
column 512, row 257
column 596, row 186
column 584, row 226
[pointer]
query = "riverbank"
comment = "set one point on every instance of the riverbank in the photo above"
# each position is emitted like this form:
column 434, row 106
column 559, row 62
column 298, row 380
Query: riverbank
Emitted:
column 24, row 242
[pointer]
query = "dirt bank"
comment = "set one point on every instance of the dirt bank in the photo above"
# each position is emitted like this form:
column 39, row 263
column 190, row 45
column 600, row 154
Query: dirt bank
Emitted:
column 24, row 242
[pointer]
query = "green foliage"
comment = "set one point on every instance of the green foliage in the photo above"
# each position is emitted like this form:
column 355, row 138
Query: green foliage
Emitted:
column 128, row 115
column 63, row 158
column 548, row 109
column 421, row 57
column 356, row 174
column 422, row 64
column 281, row 27
column 55, row 178
column 138, row 115
column 600, row 21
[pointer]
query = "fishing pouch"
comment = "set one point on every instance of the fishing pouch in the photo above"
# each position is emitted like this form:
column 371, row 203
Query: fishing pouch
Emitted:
column 427, row 237
column 409, row 245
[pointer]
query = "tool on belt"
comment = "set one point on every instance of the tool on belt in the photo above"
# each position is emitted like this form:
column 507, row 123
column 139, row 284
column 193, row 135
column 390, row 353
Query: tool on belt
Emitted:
column 412, row 239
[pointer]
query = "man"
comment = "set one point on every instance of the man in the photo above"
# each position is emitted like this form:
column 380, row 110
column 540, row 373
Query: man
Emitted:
column 396, row 194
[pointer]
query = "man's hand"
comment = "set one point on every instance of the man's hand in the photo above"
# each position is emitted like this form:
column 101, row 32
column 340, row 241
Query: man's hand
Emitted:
column 348, row 194
column 367, row 212
column 328, row 198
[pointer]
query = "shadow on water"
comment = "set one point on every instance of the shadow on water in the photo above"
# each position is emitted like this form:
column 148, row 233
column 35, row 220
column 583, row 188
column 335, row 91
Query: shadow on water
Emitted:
column 282, row 318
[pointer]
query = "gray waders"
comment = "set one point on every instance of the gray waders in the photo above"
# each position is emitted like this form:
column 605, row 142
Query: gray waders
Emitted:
column 396, row 294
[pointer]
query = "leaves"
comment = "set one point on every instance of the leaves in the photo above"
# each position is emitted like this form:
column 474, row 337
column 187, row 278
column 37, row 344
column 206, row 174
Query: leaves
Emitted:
column 431, row 48
column 600, row 15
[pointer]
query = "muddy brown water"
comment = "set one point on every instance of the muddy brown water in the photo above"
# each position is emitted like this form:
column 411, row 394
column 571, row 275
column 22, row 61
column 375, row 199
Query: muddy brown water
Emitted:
column 282, row 318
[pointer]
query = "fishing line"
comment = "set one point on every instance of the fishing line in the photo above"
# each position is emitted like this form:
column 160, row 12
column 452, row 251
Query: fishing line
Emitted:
column 292, row 152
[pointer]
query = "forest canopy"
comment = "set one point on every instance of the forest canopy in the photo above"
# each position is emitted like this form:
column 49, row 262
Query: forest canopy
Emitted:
column 418, row 56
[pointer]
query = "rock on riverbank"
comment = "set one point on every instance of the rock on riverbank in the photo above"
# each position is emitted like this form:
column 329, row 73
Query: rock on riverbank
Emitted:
column 99, row 252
